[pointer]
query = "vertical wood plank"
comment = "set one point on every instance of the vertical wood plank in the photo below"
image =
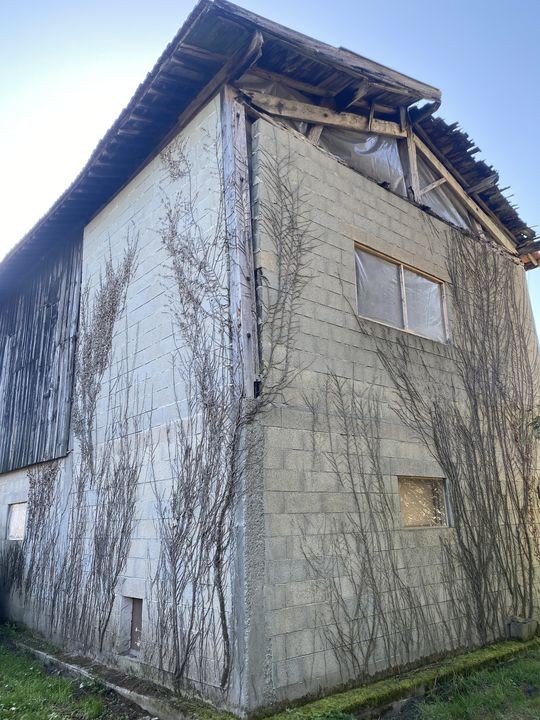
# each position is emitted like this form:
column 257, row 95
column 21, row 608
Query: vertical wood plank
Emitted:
column 410, row 162
column 239, row 237
column 38, row 328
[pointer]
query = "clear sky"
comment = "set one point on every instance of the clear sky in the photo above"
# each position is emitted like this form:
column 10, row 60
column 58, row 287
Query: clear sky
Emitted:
column 68, row 68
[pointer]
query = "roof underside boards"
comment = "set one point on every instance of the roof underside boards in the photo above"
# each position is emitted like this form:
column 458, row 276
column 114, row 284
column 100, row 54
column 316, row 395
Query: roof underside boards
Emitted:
column 211, row 41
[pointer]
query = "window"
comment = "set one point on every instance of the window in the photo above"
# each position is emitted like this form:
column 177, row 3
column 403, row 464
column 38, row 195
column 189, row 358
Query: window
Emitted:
column 136, row 625
column 16, row 521
column 423, row 502
column 394, row 294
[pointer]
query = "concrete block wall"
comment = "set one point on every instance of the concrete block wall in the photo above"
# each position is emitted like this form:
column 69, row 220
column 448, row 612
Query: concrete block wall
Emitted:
column 145, row 333
column 303, row 499
column 143, row 336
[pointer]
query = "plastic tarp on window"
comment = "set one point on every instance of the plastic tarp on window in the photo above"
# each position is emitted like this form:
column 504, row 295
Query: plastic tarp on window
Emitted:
column 379, row 289
column 441, row 200
column 373, row 155
column 380, row 298
column 423, row 299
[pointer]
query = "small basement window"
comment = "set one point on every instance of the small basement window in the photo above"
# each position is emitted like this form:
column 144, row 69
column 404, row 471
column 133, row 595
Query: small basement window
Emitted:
column 136, row 625
column 392, row 293
column 16, row 521
column 423, row 502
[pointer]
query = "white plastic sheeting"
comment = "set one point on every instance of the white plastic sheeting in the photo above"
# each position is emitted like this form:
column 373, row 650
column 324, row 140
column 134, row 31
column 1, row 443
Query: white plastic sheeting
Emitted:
column 424, row 305
column 379, row 289
column 373, row 155
column 441, row 200
column 380, row 296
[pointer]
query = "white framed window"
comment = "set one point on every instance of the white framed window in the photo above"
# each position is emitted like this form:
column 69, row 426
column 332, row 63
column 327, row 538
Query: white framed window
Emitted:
column 16, row 521
column 395, row 294
column 423, row 502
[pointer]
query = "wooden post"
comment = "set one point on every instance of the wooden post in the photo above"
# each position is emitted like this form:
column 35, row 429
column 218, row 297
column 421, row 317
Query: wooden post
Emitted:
column 411, row 166
column 239, row 238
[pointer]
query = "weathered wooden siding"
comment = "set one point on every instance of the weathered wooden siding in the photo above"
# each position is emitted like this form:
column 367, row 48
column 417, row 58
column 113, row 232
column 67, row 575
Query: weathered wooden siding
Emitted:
column 38, row 327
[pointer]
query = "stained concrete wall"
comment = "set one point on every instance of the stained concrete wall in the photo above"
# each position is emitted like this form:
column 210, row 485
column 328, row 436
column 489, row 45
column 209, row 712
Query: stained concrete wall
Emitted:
column 302, row 499
column 144, row 335
column 293, row 496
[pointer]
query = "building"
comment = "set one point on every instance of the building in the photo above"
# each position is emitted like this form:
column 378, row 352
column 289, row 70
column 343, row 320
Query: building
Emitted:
column 267, row 380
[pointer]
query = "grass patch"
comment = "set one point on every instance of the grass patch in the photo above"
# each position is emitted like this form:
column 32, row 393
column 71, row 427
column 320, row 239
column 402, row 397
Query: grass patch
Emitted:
column 342, row 705
column 28, row 691
column 510, row 691
column 90, row 699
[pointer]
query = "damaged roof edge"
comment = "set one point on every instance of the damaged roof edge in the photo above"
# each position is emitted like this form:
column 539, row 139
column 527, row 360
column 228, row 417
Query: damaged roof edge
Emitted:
column 210, row 39
column 329, row 53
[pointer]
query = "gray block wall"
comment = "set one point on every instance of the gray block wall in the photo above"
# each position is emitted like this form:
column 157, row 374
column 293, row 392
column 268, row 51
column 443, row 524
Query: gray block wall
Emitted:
column 144, row 336
column 303, row 501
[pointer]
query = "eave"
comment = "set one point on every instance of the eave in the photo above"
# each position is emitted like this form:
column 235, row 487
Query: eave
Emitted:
column 216, row 43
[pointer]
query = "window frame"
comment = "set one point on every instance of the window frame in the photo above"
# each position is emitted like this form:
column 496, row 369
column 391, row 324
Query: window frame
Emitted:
column 448, row 525
column 404, row 266
column 8, row 520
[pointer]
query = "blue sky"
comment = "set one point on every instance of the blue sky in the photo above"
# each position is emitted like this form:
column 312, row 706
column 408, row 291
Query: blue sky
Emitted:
column 68, row 68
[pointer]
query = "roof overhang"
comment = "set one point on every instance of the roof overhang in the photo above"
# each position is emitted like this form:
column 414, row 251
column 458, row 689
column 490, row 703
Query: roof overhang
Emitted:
column 210, row 46
column 215, row 45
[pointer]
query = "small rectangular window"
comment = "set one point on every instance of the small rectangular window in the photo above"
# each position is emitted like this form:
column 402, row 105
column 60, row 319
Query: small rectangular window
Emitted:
column 394, row 294
column 136, row 625
column 16, row 521
column 423, row 502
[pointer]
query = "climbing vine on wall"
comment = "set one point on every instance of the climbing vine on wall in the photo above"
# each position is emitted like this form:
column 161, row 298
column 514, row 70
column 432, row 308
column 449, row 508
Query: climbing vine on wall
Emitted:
column 477, row 425
column 208, row 446
column 109, row 460
column 381, row 608
column 479, row 431
column 80, row 525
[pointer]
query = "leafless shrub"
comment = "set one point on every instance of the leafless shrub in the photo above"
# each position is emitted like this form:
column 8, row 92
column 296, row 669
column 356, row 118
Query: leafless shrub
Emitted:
column 77, row 542
column 378, row 613
column 478, row 428
column 207, row 448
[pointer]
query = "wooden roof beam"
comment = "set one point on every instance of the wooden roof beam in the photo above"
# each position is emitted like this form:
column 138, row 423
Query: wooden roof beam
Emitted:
column 201, row 53
column 484, row 184
column 342, row 59
column 237, row 65
column 317, row 115
column 348, row 97
column 473, row 207
column 290, row 82
column 431, row 186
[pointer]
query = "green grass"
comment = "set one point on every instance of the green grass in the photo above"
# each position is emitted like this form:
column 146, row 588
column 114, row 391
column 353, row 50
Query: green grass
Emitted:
column 28, row 691
column 341, row 705
column 510, row 691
